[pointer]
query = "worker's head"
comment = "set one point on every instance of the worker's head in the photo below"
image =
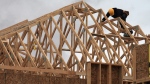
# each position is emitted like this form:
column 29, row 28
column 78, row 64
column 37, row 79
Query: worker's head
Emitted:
column 126, row 12
column 111, row 11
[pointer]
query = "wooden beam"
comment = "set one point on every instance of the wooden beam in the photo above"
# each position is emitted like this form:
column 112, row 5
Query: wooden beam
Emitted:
column 42, row 51
column 28, row 54
column 4, row 46
column 59, row 54
column 92, row 39
column 55, row 71
column 67, row 41
column 13, row 28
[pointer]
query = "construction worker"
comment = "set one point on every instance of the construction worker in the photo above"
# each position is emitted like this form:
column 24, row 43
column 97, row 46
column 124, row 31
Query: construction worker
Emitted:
column 115, row 12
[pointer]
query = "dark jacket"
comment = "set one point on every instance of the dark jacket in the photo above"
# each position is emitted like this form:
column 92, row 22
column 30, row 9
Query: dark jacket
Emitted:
column 117, row 13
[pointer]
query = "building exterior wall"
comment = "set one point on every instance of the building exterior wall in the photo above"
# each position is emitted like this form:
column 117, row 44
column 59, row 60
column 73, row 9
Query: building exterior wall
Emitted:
column 22, row 78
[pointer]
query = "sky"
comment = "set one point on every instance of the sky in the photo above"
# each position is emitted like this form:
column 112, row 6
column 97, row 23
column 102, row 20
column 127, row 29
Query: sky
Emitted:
column 14, row 11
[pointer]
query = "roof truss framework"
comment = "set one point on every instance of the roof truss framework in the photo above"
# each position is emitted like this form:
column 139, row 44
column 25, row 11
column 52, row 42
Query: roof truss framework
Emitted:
column 67, row 38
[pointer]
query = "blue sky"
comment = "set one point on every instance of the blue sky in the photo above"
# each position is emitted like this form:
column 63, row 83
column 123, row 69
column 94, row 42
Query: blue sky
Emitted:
column 15, row 11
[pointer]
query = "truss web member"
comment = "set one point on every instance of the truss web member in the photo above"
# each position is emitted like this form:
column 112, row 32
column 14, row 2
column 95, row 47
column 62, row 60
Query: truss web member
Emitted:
column 115, row 12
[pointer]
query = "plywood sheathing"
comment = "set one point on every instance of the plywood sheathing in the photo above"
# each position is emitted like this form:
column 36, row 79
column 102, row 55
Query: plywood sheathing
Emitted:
column 105, row 74
column 116, row 74
column 142, row 61
column 2, row 78
column 26, row 78
column 101, row 73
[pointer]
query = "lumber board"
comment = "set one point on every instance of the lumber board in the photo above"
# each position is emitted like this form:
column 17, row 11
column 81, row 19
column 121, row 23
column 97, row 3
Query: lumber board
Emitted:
column 14, row 28
column 37, row 69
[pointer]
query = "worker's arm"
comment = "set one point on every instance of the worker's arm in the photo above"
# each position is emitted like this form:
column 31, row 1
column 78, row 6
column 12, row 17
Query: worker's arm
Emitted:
column 124, row 16
column 104, row 17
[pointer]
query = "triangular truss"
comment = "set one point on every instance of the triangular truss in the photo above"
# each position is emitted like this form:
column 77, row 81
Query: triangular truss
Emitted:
column 68, row 38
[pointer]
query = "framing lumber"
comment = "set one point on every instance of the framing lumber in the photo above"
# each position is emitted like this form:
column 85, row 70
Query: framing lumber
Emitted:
column 65, row 40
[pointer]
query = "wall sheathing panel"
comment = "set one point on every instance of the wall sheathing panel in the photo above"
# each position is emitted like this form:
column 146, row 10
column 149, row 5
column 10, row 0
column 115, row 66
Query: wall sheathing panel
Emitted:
column 94, row 73
column 104, row 73
column 77, row 81
column 58, row 80
column 142, row 62
column 2, row 78
column 26, row 78
column 64, row 80
column 116, row 74
column 83, row 81
column 12, row 78
column 43, row 79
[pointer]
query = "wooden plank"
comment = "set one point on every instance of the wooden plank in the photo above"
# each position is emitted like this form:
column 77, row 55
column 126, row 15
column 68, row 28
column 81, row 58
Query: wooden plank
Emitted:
column 108, row 35
column 28, row 54
column 17, row 44
column 81, row 73
column 91, row 8
column 42, row 51
column 121, row 21
column 127, row 78
column 105, row 58
column 13, row 55
column 67, row 41
column 134, row 64
column 37, row 70
column 59, row 54
column 142, row 33
column 13, row 28
column 65, row 8
column 142, row 80
column 7, row 55
column 109, row 75
column 88, row 72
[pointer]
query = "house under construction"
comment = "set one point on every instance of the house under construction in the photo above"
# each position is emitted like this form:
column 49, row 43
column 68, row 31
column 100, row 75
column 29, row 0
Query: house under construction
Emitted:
column 72, row 45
